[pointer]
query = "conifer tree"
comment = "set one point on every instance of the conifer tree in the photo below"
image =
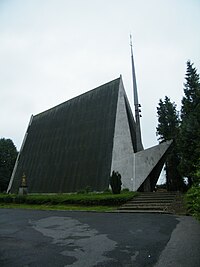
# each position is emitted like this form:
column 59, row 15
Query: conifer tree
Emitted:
column 189, row 143
column 168, row 129
column 8, row 155
column 168, row 120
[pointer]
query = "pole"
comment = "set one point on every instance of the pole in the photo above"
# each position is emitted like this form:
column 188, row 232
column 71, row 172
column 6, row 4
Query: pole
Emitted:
column 136, row 103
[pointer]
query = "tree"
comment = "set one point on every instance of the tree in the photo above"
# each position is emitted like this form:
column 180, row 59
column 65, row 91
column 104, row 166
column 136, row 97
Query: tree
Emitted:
column 189, row 142
column 168, row 129
column 8, row 155
column 115, row 182
column 168, row 120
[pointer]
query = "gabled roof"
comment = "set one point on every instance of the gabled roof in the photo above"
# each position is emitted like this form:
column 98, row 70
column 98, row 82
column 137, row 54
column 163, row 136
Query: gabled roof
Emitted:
column 69, row 147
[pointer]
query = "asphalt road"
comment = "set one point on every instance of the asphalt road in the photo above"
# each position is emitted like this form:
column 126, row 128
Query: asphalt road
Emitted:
column 86, row 239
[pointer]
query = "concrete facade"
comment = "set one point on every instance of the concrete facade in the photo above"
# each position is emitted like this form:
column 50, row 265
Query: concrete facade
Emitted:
column 135, row 167
column 122, row 155
column 147, row 161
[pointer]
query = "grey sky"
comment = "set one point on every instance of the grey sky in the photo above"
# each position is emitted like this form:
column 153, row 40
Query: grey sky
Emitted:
column 53, row 50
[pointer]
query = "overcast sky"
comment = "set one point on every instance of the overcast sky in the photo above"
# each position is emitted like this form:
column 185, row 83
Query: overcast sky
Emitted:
column 54, row 50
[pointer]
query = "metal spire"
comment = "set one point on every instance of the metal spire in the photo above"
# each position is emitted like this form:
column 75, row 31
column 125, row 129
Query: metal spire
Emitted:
column 137, row 106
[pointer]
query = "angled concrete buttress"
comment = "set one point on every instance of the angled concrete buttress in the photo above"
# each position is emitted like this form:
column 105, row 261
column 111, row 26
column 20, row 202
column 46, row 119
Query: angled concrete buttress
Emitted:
column 139, row 168
column 148, row 165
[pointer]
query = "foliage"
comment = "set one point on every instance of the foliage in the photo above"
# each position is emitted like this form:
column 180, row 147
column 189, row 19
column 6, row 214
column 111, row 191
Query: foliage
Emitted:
column 8, row 155
column 184, row 158
column 189, row 141
column 107, row 191
column 115, row 182
column 193, row 201
column 88, row 189
column 168, row 120
column 197, row 174
column 91, row 199
column 125, row 190
column 168, row 129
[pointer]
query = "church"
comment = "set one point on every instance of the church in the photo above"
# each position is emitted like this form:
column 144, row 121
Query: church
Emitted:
column 80, row 142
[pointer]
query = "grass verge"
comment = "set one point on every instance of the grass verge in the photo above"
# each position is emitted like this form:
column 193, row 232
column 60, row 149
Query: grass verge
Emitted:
column 87, row 202
column 59, row 207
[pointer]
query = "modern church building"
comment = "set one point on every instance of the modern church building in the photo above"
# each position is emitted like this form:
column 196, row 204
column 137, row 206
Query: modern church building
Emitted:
column 81, row 141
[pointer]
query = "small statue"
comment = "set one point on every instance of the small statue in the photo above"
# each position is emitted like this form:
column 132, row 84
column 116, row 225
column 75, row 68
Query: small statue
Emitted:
column 23, row 184
column 23, row 189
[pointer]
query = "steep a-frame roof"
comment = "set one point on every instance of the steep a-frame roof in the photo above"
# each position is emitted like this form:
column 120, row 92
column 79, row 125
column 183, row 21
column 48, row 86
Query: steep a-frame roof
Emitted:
column 81, row 141
column 69, row 147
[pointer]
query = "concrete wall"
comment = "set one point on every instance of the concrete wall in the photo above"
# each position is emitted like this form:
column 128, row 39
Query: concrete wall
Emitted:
column 133, row 167
column 122, row 155
column 146, row 160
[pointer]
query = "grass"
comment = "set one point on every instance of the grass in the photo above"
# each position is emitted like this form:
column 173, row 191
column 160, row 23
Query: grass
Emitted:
column 87, row 202
column 59, row 207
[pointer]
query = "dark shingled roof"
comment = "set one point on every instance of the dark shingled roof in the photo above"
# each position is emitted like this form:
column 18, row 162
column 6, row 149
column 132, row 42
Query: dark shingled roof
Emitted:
column 69, row 147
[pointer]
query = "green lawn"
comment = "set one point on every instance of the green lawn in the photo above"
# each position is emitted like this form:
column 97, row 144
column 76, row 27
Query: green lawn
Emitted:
column 59, row 207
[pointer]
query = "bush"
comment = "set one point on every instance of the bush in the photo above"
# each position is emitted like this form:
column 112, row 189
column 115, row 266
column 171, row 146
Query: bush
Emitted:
column 87, row 190
column 107, row 191
column 81, row 191
column 115, row 182
column 92, row 199
column 4, row 198
column 125, row 190
column 192, row 199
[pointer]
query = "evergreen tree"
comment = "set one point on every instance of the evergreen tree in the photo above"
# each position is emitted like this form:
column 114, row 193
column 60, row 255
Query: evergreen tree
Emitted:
column 8, row 155
column 168, row 120
column 115, row 182
column 189, row 143
column 168, row 129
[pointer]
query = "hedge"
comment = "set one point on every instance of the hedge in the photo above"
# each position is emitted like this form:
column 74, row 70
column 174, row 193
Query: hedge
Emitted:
column 90, row 199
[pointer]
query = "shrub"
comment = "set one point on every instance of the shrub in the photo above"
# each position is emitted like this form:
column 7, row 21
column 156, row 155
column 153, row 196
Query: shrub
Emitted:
column 125, row 190
column 5, row 198
column 88, row 189
column 92, row 199
column 115, row 182
column 192, row 199
column 81, row 191
column 107, row 191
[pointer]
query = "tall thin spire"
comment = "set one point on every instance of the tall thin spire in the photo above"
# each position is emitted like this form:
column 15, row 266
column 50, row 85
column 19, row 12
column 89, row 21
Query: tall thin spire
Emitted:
column 137, row 106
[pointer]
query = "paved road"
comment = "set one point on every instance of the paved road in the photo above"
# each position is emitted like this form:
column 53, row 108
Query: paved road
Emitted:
column 85, row 239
